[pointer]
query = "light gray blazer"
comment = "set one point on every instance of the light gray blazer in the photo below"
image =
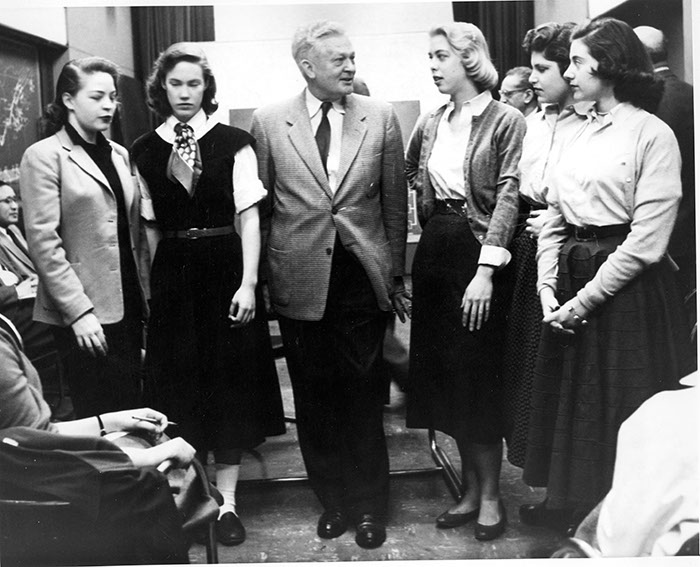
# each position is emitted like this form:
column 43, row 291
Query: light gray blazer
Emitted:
column 70, row 216
column 302, row 216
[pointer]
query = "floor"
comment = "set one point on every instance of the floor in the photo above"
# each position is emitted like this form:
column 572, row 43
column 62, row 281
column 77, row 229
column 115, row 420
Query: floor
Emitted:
column 280, row 518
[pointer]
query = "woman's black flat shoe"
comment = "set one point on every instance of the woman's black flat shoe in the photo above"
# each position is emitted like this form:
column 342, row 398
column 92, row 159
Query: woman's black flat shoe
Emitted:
column 487, row 533
column 447, row 520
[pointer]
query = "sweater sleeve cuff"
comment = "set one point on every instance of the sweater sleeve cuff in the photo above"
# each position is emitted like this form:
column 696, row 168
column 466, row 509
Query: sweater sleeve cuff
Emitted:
column 494, row 256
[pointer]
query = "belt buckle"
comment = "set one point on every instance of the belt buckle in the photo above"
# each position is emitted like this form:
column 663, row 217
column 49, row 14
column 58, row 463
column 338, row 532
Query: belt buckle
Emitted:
column 192, row 233
column 579, row 236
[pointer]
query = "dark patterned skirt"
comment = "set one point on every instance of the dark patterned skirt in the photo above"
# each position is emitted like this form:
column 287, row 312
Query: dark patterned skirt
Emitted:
column 587, row 384
column 454, row 383
column 524, row 323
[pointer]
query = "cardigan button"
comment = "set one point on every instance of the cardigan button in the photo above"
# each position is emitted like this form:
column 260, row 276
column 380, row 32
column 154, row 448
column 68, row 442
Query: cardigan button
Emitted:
column 329, row 251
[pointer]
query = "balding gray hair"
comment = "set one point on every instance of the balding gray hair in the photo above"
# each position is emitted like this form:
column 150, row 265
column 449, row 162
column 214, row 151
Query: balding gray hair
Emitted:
column 655, row 42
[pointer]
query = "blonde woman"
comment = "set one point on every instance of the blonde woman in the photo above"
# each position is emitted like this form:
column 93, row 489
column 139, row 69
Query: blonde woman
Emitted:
column 462, row 161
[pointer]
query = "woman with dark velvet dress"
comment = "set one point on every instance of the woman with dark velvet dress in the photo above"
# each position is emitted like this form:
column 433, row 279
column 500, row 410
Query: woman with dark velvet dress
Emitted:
column 209, row 359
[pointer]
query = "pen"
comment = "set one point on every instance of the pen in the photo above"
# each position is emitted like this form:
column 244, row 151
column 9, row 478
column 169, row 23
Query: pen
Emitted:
column 151, row 420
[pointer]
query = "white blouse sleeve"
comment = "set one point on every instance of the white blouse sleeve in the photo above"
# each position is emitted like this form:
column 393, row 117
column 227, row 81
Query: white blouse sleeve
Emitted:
column 146, row 204
column 248, row 190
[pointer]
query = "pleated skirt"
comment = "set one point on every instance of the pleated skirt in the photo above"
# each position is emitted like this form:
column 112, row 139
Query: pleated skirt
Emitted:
column 635, row 345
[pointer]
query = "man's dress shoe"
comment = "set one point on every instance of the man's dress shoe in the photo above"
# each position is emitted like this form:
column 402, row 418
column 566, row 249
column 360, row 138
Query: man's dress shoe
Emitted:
column 557, row 519
column 230, row 530
column 370, row 532
column 332, row 524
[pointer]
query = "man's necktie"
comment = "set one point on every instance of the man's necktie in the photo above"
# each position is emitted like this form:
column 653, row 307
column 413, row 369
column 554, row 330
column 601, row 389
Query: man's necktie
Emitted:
column 323, row 135
column 185, row 164
column 18, row 242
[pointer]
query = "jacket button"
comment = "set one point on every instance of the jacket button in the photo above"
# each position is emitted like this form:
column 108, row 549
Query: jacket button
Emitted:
column 334, row 210
column 329, row 251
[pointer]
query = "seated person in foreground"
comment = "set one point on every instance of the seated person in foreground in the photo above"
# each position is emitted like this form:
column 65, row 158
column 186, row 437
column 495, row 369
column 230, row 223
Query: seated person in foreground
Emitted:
column 126, row 507
column 652, row 507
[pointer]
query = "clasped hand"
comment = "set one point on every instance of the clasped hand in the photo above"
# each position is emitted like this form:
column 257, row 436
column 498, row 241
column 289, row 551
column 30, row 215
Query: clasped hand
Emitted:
column 562, row 319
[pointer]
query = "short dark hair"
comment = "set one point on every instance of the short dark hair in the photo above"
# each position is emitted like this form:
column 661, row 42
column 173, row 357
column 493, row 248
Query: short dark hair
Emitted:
column 552, row 40
column 157, row 98
column 623, row 60
column 70, row 81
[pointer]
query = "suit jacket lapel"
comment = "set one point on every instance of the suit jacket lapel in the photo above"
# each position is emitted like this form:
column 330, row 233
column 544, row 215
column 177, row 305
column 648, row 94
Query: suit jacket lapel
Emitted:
column 303, row 140
column 125, row 177
column 14, row 254
column 78, row 155
column 354, row 131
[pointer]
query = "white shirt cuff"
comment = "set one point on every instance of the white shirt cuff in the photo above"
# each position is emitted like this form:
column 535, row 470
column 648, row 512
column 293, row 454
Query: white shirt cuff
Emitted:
column 494, row 256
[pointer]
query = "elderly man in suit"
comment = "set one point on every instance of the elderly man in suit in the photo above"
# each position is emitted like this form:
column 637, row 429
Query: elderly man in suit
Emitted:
column 18, row 278
column 676, row 109
column 335, row 234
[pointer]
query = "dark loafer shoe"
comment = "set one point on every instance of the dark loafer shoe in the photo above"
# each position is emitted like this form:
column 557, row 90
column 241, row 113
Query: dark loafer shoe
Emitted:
column 332, row 524
column 558, row 519
column 487, row 533
column 447, row 520
column 230, row 530
column 370, row 532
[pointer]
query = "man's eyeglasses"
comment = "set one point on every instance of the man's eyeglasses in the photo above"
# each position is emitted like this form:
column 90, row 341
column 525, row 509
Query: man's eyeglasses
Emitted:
column 506, row 94
column 9, row 200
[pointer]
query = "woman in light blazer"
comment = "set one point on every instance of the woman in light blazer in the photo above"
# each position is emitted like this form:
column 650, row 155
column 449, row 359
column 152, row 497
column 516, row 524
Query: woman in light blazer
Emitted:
column 81, row 204
column 462, row 161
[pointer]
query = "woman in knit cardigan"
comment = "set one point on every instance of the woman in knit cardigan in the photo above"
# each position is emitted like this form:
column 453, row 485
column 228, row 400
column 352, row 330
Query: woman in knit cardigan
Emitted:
column 462, row 161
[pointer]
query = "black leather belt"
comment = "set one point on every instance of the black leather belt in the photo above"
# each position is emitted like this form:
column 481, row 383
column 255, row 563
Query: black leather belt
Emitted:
column 585, row 233
column 451, row 207
column 193, row 233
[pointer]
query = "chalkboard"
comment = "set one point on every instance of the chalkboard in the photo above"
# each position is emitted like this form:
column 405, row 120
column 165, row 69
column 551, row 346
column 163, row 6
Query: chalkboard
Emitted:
column 20, row 105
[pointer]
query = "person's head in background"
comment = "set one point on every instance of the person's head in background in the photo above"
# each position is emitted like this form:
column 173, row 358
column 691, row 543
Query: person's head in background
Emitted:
column 655, row 43
column 326, row 59
column 548, row 46
column 86, row 98
column 610, row 65
column 9, row 207
column 181, row 83
column 359, row 86
column 517, row 91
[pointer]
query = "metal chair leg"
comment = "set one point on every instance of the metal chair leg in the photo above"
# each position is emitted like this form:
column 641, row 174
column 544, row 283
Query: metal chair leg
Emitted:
column 449, row 474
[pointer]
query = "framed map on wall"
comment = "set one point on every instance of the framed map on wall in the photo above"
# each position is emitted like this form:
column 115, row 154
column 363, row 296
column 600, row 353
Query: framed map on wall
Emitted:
column 20, row 105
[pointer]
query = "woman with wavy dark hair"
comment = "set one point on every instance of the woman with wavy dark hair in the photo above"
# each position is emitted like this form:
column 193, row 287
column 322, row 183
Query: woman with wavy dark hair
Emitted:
column 613, row 332
column 81, row 206
column 209, row 362
column 460, row 289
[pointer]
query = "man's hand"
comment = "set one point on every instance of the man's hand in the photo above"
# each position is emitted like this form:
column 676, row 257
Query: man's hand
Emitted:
column 401, row 299
column 89, row 335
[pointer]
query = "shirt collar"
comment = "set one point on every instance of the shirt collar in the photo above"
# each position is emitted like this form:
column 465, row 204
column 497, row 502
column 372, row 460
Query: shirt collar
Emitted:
column 200, row 123
column 4, row 231
column 617, row 113
column 313, row 104
column 476, row 105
